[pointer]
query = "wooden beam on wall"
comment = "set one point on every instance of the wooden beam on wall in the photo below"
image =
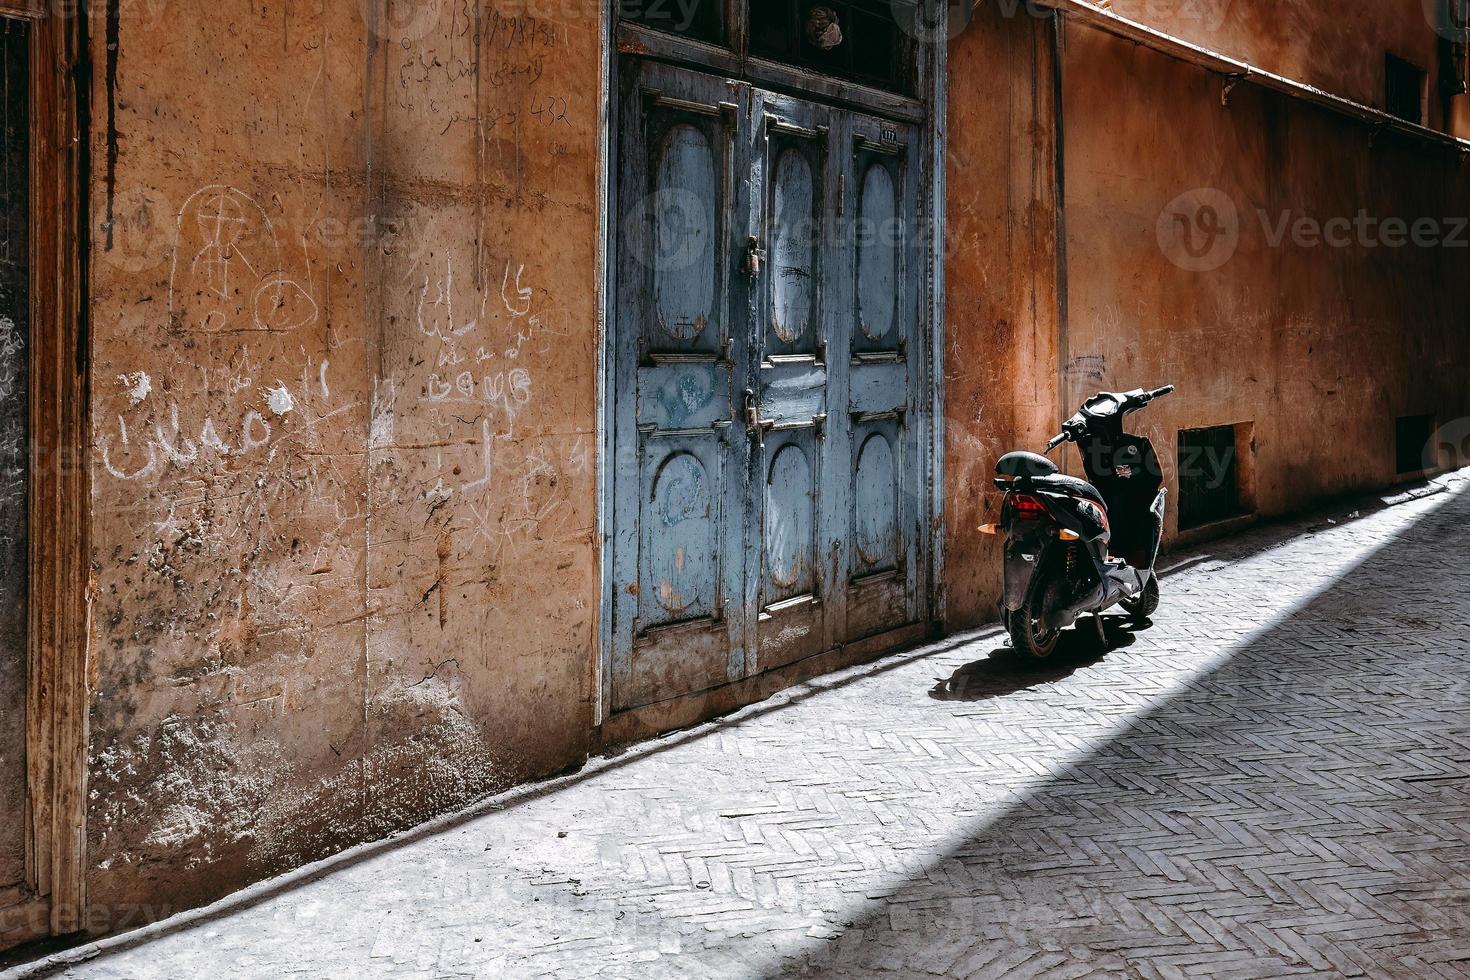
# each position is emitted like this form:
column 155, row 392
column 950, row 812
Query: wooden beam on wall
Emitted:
column 60, row 494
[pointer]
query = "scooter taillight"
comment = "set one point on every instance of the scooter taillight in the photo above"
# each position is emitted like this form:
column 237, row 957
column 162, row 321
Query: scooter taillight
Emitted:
column 1027, row 507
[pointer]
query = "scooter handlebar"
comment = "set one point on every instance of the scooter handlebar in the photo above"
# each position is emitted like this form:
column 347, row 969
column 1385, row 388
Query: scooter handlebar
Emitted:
column 1160, row 392
column 1056, row 441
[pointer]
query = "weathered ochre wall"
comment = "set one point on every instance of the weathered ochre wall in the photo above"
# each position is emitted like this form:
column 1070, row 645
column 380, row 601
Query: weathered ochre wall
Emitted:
column 1001, row 263
column 344, row 302
column 1320, row 347
column 1321, row 339
column 1338, row 47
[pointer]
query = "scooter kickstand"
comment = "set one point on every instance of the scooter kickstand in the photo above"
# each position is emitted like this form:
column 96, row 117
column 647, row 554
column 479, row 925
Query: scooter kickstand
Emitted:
column 1102, row 630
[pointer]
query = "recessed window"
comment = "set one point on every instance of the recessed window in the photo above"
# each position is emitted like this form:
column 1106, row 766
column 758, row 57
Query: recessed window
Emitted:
column 1412, row 435
column 1404, row 95
column 1209, row 476
column 872, row 42
column 855, row 39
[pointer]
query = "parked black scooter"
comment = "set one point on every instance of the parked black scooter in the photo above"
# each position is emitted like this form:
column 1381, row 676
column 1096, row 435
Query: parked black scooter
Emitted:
column 1075, row 547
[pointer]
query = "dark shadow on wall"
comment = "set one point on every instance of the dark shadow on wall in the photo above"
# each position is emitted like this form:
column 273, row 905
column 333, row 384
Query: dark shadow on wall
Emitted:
column 1302, row 808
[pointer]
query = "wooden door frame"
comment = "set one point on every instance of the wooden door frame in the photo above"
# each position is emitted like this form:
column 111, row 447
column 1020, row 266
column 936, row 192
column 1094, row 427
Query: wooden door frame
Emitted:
column 929, row 109
column 59, row 606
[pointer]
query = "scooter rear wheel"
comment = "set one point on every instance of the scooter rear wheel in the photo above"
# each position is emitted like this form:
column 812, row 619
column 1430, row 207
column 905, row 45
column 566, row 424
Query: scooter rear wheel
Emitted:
column 1028, row 636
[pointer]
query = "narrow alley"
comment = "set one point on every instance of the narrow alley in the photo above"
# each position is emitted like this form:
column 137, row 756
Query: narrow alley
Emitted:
column 1268, row 781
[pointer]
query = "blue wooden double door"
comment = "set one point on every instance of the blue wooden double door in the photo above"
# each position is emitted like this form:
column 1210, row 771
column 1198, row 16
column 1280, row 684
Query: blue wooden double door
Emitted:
column 768, row 407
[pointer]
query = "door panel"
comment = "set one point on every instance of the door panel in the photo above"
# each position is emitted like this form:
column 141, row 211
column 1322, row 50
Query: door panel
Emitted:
column 687, row 153
column 678, row 549
column 883, row 318
column 879, row 258
column 790, row 560
column 795, row 212
column 878, row 585
column 795, row 176
column 876, row 499
column 680, row 633
column 767, row 466
column 791, row 611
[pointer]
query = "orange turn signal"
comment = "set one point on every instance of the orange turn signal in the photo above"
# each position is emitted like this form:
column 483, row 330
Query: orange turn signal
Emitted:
column 988, row 529
column 1066, row 535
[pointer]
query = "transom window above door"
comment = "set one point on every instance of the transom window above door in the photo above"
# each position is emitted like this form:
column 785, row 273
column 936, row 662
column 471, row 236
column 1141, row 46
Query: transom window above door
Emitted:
column 861, row 41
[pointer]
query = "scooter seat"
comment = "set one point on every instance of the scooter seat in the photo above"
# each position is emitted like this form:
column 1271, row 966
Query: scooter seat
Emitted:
column 1070, row 485
column 1025, row 465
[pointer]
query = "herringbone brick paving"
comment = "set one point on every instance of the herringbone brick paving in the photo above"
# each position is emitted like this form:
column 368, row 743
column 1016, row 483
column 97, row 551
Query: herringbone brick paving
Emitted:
column 1271, row 781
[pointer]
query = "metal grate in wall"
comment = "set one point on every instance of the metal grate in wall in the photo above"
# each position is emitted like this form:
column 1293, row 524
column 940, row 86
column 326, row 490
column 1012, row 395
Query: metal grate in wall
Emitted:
column 1411, row 437
column 1209, row 476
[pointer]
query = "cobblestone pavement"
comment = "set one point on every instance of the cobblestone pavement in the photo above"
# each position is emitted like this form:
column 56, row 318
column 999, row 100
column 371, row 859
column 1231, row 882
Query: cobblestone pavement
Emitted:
column 1270, row 781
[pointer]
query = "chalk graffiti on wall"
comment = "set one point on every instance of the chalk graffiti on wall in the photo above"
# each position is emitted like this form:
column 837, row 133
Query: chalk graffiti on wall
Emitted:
column 227, row 272
column 183, row 447
column 450, row 436
column 242, row 561
column 228, row 275
column 482, row 339
column 471, row 369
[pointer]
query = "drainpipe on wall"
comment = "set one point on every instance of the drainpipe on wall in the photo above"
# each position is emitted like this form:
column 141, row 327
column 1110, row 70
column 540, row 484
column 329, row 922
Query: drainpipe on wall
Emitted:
column 1059, row 150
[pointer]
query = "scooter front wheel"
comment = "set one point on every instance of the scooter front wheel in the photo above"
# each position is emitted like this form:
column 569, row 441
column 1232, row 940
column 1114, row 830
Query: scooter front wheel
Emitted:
column 1142, row 606
column 1029, row 637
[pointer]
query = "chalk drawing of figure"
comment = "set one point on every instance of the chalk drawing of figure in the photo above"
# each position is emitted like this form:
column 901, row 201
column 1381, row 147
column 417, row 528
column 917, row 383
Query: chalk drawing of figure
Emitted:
column 227, row 271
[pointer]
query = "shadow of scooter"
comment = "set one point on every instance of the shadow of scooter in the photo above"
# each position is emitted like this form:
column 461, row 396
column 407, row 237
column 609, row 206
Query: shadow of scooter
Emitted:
column 1005, row 672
